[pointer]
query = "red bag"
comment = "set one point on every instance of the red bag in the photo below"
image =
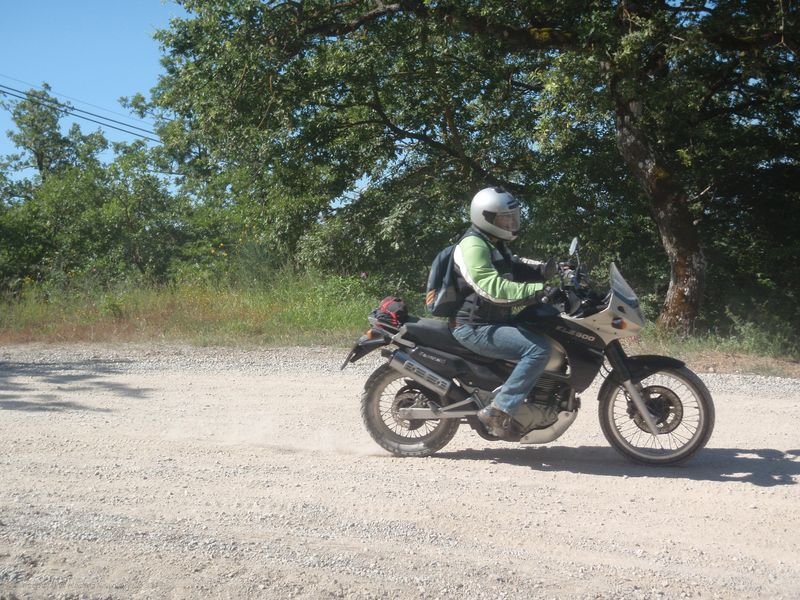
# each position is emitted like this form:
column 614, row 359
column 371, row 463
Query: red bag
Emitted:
column 392, row 311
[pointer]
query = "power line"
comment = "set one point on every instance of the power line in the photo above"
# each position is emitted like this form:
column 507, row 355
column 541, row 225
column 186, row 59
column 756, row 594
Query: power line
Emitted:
column 70, row 110
column 79, row 101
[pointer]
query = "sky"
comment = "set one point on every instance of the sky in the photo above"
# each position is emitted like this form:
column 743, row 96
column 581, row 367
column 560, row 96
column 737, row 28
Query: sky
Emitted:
column 90, row 52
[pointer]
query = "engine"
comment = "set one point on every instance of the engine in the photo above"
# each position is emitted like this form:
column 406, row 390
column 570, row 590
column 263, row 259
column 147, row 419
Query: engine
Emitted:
column 550, row 397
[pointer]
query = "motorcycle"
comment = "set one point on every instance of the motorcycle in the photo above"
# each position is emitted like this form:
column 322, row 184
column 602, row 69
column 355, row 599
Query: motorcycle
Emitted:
column 652, row 409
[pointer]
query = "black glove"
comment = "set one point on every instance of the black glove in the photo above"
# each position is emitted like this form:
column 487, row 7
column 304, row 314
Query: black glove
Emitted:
column 542, row 296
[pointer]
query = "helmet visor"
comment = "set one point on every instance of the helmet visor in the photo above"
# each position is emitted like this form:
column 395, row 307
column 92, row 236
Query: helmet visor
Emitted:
column 508, row 221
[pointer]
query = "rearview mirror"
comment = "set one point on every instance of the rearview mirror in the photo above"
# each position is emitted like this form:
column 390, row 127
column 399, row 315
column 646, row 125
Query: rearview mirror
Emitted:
column 573, row 247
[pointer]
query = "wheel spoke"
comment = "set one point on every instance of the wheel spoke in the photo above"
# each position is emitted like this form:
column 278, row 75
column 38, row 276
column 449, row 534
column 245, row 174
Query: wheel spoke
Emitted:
column 676, row 405
column 392, row 395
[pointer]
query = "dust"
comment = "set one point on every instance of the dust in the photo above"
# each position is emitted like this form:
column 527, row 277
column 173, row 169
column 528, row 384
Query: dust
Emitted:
column 270, row 434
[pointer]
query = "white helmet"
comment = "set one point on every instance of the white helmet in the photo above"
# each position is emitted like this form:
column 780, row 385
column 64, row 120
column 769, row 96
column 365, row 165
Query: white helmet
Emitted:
column 495, row 212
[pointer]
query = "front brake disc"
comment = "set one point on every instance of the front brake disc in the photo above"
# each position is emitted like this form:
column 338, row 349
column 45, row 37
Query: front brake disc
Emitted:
column 664, row 405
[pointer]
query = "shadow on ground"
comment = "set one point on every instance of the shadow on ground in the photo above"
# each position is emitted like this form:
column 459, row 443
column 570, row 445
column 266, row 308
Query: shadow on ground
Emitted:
column 43, row 386
column 763, row 467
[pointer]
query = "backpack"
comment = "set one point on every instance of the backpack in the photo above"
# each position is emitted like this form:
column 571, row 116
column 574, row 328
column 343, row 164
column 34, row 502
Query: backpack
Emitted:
column 391, row 311
column 442, row 298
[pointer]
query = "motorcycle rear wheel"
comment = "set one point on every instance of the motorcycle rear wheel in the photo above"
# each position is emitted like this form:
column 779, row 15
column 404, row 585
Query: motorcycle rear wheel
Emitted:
column 681, row 406
column 385, row 392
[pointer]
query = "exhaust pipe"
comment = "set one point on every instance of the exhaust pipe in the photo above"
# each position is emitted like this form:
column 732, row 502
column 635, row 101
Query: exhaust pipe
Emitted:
column 419, row 373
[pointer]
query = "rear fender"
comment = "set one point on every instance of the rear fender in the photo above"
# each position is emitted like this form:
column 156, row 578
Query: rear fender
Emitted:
column 372, row 340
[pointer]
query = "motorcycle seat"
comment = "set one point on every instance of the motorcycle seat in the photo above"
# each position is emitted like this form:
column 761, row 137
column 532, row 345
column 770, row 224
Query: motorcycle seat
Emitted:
column 436, row 334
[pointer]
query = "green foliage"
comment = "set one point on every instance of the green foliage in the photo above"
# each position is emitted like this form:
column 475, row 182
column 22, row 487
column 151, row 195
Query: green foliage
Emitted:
column 44, row 147
column 76, row 218
column 761, row 336
column 289, row 308
column 348, row 138
column 378, row 122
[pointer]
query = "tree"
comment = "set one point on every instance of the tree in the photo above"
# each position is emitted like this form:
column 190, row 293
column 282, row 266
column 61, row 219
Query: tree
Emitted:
column 323, row 97
column 75, row 217
column 41, row 235
column 44, row 148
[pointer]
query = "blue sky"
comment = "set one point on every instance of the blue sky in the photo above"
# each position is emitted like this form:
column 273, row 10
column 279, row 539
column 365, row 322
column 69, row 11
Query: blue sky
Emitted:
column 91, row 52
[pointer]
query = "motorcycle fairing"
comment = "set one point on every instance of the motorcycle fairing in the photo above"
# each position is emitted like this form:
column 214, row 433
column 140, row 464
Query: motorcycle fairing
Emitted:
column 584, row 363
column 584, row 348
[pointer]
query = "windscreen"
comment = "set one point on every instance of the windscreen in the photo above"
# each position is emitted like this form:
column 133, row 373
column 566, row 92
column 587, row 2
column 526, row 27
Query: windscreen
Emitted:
column 621, row 288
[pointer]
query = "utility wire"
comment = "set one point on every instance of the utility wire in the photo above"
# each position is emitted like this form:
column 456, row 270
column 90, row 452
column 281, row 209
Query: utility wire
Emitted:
column 71, row 109
column 15, row 93
column 78, row 100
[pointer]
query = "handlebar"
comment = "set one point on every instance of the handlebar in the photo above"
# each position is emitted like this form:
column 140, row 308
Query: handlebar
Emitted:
column 575, row 294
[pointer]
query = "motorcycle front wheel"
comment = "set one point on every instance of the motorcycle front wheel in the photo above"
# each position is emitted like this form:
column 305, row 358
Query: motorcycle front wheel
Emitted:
column 681, row 406
column 387, row 391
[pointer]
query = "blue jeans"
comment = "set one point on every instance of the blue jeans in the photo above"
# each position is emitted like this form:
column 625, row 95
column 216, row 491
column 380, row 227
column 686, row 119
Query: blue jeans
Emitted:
column 508, row 342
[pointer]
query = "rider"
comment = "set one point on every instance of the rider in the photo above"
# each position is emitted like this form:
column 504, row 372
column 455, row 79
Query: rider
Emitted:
column 491, row 280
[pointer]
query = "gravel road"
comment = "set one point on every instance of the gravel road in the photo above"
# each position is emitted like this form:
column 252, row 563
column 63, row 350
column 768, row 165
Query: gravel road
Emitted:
column 176, row 472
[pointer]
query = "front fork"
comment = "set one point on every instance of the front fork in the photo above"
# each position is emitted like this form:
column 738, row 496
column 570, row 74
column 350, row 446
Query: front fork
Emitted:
column 616, row 356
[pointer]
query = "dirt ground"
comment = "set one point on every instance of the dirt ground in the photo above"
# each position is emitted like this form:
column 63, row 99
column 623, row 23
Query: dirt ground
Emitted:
column 185, row 473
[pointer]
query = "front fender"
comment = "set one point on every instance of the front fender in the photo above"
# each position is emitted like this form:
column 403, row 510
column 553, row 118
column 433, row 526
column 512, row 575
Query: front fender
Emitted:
column 645, row 365
column 641, row 367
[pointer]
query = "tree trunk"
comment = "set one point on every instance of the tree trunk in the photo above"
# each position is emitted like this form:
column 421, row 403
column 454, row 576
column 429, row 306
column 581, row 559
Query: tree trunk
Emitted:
column 669, row 206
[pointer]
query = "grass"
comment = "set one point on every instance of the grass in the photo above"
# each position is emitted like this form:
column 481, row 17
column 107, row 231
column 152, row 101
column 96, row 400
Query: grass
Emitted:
column 301, row 310
column 292, row 310
column 748, row 350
